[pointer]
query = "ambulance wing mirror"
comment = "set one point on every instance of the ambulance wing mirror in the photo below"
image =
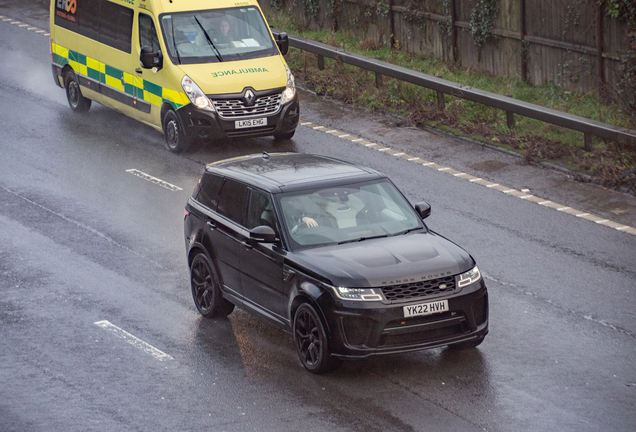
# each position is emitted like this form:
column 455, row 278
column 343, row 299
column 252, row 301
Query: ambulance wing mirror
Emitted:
column 150, row 59
column 282, row 41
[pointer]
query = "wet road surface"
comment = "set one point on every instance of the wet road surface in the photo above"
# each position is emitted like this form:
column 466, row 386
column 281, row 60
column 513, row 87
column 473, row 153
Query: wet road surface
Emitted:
column 84, row 241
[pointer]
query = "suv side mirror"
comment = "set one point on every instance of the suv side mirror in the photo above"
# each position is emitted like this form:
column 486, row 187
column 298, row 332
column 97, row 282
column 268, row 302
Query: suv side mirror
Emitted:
column 282, row 40
column 263, row 234
column 149, row 59
column 423, row 209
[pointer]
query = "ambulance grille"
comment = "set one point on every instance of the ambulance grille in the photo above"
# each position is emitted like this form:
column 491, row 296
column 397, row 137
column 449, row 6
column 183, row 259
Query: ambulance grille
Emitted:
column 235, row 108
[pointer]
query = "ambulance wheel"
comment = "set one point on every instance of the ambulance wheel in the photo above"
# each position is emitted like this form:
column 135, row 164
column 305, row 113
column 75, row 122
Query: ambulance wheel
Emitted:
column 176, row 138
column 76, row 101
column 285, row 136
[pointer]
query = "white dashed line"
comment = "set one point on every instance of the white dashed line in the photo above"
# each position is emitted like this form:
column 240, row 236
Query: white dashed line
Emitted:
column 154, row 180
column 134, row 341
column 509, row 192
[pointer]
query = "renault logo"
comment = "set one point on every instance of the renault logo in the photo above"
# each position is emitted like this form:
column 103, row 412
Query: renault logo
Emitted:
column 250, row 97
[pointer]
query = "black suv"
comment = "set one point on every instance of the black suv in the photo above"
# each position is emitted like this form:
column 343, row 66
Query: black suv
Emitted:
column 332, row 253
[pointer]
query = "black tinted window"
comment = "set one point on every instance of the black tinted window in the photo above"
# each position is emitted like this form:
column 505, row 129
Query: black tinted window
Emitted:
column 208, row 193
column 101, row 20
column 260, row 210
column 232, row 201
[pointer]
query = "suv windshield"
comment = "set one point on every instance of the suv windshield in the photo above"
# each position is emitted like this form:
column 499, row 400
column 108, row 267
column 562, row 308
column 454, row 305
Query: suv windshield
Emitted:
column 216, row 35
column 348, row 213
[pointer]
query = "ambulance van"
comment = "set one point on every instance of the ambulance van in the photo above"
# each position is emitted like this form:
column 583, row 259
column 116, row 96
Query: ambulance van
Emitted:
column 190, row 68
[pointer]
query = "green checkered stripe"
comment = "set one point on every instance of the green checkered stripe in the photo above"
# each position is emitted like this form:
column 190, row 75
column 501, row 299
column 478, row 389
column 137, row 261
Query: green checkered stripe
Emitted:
column 117, row 79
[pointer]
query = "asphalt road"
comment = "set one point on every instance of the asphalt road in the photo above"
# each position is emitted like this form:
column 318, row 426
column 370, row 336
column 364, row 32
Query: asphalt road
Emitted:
column 83, row 241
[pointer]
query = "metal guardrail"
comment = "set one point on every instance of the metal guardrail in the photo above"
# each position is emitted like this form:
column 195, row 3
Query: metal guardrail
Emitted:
column 511, row 106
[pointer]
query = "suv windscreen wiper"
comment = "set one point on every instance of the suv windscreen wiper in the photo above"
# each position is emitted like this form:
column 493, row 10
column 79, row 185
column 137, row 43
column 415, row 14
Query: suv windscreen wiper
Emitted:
column 362, row 239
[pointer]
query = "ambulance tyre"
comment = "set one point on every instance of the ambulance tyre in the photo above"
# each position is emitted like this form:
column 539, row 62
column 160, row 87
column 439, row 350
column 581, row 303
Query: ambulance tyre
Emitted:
column 76, row 101
column 177, row 139
column 285, row 136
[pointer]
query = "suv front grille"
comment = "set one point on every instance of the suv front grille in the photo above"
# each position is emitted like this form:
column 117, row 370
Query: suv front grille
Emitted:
column 408, row 291
column 235, row 108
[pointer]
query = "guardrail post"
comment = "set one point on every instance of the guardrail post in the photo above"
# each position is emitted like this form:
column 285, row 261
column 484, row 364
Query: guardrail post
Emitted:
column 378, row 80
column 321, row 62
column 587, row 139
column 510, row 118
column 441, row 102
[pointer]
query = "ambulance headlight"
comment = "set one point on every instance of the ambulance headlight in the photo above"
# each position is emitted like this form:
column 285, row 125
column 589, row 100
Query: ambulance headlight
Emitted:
column 195, row 94
column 290, row 90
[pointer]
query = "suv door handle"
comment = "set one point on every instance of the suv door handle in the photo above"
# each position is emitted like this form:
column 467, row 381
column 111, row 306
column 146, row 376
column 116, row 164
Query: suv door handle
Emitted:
column 247, row 245
column 211, row 224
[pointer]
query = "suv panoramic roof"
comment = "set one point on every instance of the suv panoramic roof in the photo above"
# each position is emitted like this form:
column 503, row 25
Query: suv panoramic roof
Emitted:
column 289, row 171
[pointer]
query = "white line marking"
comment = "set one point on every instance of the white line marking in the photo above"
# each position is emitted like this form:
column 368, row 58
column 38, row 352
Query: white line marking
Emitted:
column 357, row 140
column 602, row 221
column 154, row 180
column 369, row 145
column 582, row 214
column 493, row 185
column 31, row 28
column 398, row 154
column 40, row 31
column 563, row 208
column 623, row 228
column 525, row 196
column 509, row 190
column 331, row 131
column 305, row 123
column 384, row 149
column 460, row 174
column 474, row 180
column 544, row 202
column 319, row 127
column 428, row 163
column 342, row 136
column 443, row 169
column 134, row 341
column 412, row 159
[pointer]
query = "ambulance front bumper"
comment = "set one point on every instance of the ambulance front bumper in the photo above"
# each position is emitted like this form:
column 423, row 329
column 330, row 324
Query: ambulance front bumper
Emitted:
column 209, row 125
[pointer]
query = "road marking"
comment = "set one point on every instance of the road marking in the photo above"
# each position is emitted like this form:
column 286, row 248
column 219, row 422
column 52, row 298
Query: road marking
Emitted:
column 154, row 180
column 510, row 192
column 134, row 341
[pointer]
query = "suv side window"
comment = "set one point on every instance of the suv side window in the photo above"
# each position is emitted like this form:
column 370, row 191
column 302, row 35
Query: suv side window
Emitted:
column 208, row 194
column 232, row 200
column 260, row 210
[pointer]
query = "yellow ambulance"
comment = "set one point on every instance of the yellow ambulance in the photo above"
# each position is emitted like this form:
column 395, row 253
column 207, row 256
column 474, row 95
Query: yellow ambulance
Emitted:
column 190, row 68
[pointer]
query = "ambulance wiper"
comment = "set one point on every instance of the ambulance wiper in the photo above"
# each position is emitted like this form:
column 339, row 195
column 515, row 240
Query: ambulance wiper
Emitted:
column 216, row 51
column 174, row 42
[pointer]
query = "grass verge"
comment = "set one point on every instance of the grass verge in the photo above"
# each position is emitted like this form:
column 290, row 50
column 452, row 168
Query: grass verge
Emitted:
column 609, row 164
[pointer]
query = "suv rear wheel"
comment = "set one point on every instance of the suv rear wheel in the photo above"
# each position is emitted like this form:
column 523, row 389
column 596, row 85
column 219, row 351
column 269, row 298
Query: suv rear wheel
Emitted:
column 205, row 289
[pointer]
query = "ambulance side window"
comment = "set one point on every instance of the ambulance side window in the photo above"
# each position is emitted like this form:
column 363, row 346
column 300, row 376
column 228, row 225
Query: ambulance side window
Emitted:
column 148, row 33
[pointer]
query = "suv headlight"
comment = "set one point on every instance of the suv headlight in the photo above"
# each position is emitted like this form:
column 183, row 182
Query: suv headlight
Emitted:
column 358, row 294
column 290, row 90
column 195, row 94
column 469, row 277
